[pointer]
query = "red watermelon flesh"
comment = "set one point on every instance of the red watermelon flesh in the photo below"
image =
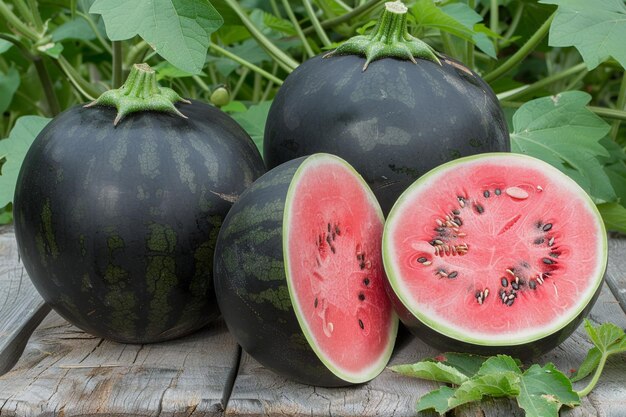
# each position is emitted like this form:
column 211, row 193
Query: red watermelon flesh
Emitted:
column 495, row 249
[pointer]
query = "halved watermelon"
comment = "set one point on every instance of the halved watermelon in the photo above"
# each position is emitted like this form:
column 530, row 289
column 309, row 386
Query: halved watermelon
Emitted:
column 494, row 253
column 299, row 276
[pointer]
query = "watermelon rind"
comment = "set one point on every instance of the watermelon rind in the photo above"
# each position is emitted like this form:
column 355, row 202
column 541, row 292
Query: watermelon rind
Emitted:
column 446, row 337
column 376, row 367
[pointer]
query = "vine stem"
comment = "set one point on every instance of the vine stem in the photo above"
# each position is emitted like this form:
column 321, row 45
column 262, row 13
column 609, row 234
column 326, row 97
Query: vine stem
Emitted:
column 285, row 61
column 296, row 25
column 607, row 113
column 357, row 11
column 246, row 64
column 596, row 377
column 316, row 24
column 82, row 85
column 522, row 53
column 14, row 21
column 517, row 93
column 46, row 83
column 620, row 105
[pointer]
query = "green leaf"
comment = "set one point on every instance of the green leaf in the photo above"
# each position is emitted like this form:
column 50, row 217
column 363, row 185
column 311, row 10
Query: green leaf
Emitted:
column 596, row 28
column 77, row 28
column 457, row 19
column 4, row 46
column 588, row 365
column 563, row 132
column 499, row 363
column 253, row 121
column 604, row 335
column 502, row 384
column 437, row 400
column 468, row 17
column 14, row 149
column 432, row 371
column 9, row 83
column 52, row 49
column 466, row 363
column 278, row 24
column 544, row 390
column 178, row 30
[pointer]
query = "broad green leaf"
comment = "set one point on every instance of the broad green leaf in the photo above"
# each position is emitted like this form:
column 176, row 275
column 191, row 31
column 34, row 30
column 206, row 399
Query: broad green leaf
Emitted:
column 501, row 384
column 6, row 215
column 76, row 28
column 9, row 83
column 615, row 167
column 432, row 371
column 614, row 216
column 603, row 336
column 446, row 19
column 14, row 149
column 234, row 106
column 166, row 70
column 468, row 17
column 544, row 390
column 588, row 365
column 563, row 132
column 278, row 24
column 178, row 30
column 437, row 400
column 465, row 363
column 499, row 363
column 253, row 121
column 596, row 28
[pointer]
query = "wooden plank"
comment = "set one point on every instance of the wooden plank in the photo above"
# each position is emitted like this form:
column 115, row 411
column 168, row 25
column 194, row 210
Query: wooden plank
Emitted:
column 616, row 270
column 65, row 371
column 260, row 392
column 21, row 307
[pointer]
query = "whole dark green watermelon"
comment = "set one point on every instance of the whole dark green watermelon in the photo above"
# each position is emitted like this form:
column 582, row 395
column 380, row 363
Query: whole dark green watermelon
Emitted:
column 116, row 225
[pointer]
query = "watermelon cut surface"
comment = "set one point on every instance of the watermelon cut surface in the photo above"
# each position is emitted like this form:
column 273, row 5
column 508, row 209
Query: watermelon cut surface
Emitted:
column 494, row 253
column 299, row 275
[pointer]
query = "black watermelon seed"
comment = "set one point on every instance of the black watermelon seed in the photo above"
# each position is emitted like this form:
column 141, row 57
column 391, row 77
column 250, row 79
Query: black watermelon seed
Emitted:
column 337, row 231
column 479, row 209
column 332, row 249
column 328, row 227
column 361, row 325
column 421, row 260
column 515, row 285
column 554, row 254
column 456, row 212
column 510, row 302
column 532, row 284
column 315, row 303
column 439, row 229
column 538, row 224
column 361, row 296
column 486, row 193
column 498, row 191
column 547, row 227
column 458, row 221
column 366, row 281
column 539, row 241
column 547, row 261
column 453, row 274
column 504, row 282
column 478, row 294
column 362, row 265
column 328, row 239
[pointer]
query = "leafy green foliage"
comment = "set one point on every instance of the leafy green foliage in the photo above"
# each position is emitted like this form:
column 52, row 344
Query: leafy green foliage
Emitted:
column 9, row 84
column 13, row 149
column 541, row 391
column 178, row 31
column 253, row 121
column 561, row 131
column 596, row 29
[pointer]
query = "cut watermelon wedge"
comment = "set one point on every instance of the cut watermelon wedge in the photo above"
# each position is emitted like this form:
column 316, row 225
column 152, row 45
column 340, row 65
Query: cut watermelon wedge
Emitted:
column 299, row 275
column 494, row 253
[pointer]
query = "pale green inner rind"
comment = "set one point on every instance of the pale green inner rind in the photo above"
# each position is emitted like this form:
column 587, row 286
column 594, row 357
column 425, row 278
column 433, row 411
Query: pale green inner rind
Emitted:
column 377, row 367
column 392, row 272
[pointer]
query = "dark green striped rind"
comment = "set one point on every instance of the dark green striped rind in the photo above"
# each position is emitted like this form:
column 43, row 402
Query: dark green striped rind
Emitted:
column 251, row 285
column 117, row 225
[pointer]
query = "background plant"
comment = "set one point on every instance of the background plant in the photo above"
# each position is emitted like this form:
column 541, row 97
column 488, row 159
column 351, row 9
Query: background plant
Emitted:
column 557, row 66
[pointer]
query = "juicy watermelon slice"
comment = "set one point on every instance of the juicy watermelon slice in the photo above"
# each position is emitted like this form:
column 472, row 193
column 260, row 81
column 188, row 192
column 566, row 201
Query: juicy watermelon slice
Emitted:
column 495, row 252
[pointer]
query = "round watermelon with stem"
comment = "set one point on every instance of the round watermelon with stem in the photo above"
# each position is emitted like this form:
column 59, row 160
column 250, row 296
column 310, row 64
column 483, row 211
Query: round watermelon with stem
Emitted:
column 117, row 210
column 494, row 253
column 299, row 276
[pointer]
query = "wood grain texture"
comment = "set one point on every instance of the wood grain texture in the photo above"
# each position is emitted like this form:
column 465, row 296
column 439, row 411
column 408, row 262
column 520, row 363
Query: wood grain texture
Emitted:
column 616, row 270
column 65, row 371
column 21, row 307
column 260, row 392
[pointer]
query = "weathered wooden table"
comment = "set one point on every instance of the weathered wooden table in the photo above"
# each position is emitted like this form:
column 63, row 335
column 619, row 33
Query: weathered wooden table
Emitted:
column 50, row 367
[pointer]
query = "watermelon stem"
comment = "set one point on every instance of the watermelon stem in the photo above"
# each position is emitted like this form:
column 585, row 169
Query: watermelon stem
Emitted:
column 140, row 92
column 390, row 39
